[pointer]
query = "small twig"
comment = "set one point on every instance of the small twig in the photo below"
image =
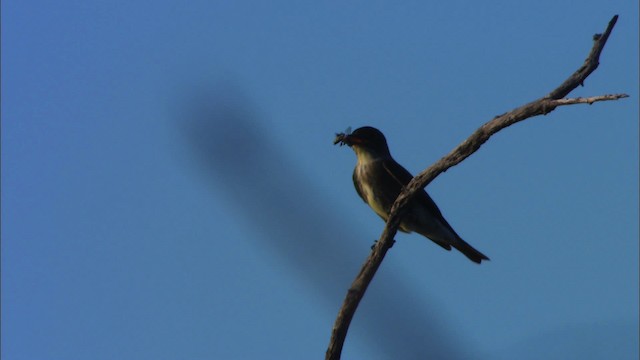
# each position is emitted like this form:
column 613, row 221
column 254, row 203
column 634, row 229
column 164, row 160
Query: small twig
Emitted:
column 589, row 100
column 465, row 149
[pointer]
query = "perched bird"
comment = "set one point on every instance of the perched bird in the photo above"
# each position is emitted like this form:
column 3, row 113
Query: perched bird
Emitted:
column 378, row 179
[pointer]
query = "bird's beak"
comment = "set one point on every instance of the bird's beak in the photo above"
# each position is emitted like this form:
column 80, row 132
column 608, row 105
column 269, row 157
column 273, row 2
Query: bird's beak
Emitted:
column 347, row 139
column 352, row 140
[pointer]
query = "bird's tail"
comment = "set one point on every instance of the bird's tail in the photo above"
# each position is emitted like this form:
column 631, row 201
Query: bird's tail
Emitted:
column 468, row 251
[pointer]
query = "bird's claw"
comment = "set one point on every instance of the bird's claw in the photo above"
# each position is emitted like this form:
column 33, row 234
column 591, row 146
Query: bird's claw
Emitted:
column 375, row 242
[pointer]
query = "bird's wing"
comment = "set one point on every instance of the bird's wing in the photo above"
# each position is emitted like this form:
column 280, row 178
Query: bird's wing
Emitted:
column 398, row 173
column 403, row 177
column 392, row 177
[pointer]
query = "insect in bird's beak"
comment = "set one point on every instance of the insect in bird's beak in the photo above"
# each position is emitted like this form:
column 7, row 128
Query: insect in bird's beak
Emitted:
column 342, row 138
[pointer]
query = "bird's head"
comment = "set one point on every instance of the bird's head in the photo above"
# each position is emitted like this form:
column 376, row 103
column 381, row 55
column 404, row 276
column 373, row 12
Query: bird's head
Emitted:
column 366, row 141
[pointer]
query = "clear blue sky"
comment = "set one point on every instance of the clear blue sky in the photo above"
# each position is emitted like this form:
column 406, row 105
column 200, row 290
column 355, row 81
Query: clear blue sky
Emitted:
column 170, row 189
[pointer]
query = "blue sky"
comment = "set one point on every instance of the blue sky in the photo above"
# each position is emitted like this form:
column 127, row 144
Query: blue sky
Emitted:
column 170, row 190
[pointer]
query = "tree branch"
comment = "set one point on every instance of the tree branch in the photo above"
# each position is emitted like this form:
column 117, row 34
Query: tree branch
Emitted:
column 541, row 106
column 589, row 100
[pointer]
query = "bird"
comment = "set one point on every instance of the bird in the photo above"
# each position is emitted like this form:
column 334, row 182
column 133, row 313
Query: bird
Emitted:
column 379, row 179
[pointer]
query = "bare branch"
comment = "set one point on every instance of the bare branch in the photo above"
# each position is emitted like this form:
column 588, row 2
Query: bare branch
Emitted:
column 541, row 106
column 590, row 64
column 589, row 100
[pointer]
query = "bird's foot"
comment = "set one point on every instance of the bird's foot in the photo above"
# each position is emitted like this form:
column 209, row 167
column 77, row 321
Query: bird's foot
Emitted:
column 375, row 242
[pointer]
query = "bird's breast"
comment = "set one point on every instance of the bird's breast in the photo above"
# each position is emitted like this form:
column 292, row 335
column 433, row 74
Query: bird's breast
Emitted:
column 369, row 192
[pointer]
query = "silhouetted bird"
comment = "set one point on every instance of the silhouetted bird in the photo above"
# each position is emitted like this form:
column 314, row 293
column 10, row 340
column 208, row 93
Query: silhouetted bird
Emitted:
column 378, row 179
